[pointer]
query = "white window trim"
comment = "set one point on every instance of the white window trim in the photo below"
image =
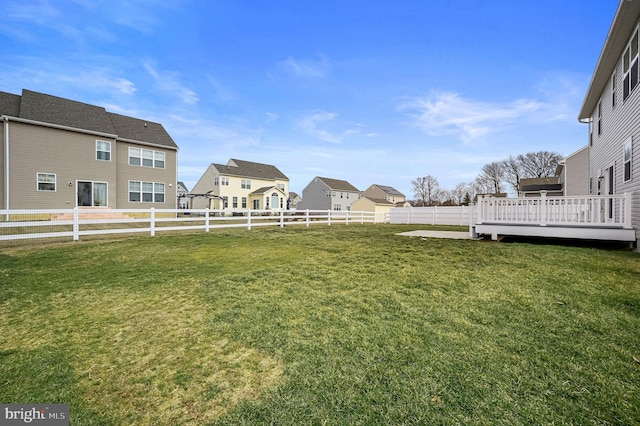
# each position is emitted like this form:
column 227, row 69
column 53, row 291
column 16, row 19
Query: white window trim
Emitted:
column 635, row 58
column 628, row 143
column 147, row 154
column 153, row 192
column 38, row 182
column 108, row 144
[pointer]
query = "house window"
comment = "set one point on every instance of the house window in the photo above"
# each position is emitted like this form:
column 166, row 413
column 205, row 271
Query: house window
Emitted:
column 337, row 207
column 244, row 202
column 216, row 180
column 225, row 202
column 630, row 66
column 235, row 202
column 256, row 204
column 599, row 118
column 245, row 184
column 613, row 89
column 627, row 160
column 103, row 150
column 146, row 158
column 280, row 186
column 158, row 159
column 92, row 193
column 46, row 181
column 224, row 181
column 146, row 192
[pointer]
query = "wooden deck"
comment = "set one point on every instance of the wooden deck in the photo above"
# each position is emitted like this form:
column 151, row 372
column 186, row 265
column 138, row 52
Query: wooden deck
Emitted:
column 598, row 217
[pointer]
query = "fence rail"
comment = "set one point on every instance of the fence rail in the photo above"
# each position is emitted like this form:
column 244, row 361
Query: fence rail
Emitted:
column 75, row 223
column 606, row 211
column 435, row 215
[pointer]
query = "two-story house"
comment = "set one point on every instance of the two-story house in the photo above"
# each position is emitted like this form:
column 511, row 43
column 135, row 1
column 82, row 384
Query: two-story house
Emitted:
column 241, row 185
column 383, row 192
column 328, row 194
column 611, row 107
column 59, row 153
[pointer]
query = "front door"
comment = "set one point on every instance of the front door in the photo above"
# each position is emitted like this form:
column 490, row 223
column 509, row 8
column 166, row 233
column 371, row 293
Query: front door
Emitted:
column 274, row 200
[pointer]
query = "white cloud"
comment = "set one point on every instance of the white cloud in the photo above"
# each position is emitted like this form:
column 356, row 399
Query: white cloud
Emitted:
column 327, row 127
column 306, row 68
column 168, row 83
column 447, row 113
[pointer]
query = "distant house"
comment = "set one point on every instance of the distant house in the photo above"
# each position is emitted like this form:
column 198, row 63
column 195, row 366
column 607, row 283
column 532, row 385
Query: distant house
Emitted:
column 328, row 194
column 183, row 195
column 59, row 153
column 611, row 107
column 294, row 200
column 570, row 179
column 241, row 185
column 379, row 206
column 383, row 192
column 573, row 173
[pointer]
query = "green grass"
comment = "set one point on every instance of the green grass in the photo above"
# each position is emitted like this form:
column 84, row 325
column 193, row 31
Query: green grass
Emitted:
column 322, row 325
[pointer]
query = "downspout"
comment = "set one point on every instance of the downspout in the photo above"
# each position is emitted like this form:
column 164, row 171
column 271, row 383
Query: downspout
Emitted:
column 6, row 163
column 588, row 121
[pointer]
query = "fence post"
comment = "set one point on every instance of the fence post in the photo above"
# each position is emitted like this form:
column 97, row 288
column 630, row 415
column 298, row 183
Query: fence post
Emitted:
column 152, row 221
column 281, row 218
column 434, row 215
column 362, row 217
column 329, row 217
column 306, row 217
column 249, row 220
column 206, row 219
column 76, row 224
column 346, row 219
column 472, row 227
column 543, row 206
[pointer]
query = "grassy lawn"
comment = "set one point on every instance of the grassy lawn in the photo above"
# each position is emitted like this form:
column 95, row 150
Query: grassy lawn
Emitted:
column 322, row 325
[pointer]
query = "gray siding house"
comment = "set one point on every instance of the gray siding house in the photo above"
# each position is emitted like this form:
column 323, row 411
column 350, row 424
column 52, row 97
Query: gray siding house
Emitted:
column 612, row 110
column 328, row 194
column 57, row 153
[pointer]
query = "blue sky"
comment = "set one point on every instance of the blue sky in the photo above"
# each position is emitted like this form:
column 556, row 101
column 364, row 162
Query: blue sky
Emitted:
column 366, row 91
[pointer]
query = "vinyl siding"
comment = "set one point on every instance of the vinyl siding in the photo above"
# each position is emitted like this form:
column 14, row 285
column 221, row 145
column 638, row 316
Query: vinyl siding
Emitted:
column 618, row 125
column 71, row 156
column 314, row 196
column 2, row 166
column 127, row 173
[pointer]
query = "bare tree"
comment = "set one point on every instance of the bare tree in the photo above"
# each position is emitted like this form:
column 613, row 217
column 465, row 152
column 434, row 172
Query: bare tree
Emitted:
column 513, row 171
column 426, row 190
column 491, row 176
column 539, row 164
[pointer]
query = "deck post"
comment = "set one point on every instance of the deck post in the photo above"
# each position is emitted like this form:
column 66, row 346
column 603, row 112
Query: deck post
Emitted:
column 544, row 208
column 627, row 210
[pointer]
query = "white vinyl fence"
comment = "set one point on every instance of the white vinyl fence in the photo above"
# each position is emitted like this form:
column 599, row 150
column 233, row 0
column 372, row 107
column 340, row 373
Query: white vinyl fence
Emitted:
column 75, row 223
column 435, row 215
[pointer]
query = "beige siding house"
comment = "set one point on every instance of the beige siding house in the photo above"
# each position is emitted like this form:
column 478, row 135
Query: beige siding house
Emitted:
column 241, row 185
column 379, row 206
column 59, row 153
column 612, row 110
column 383, row 192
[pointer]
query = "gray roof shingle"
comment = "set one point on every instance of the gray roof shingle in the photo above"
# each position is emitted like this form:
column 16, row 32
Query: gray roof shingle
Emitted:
column 250, row 169
column 339, row 185
column 77, row 115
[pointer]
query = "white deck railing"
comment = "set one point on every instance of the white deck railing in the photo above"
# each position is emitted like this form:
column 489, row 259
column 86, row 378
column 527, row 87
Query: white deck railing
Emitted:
column 77, row 222
column 607, row 211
